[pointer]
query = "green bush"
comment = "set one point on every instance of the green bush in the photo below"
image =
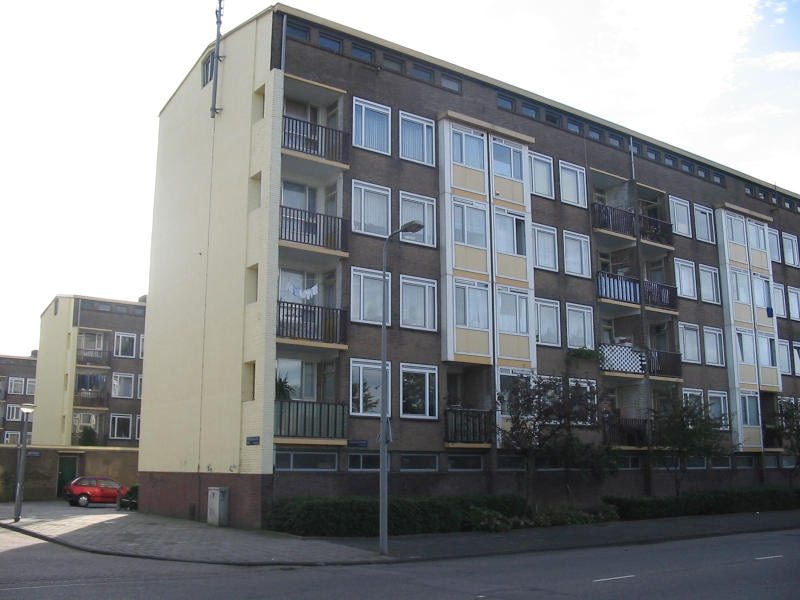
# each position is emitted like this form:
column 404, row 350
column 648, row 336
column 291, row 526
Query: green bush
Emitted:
column 734, row 500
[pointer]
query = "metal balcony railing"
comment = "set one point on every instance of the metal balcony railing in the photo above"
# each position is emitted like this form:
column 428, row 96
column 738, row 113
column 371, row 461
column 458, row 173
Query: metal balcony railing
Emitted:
column 622, row 359
column 93, row 358
column 660, row 295
column 315, row 229
column 654, row 230
column 295, row 418
column 91, row 398
column 626, row 432
column 664, row 364
column 310, row 138
column 618, row 287
column 309, row 322
column 469, row 426
column 613, row 219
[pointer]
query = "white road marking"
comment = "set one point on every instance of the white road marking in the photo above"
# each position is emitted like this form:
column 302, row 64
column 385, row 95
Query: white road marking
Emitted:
column 613, row 578
column 768, row 557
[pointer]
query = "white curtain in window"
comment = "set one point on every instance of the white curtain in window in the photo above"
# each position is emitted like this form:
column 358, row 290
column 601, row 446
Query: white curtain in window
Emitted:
column 713, row 348
column 573, row 255
column 413, row 136
column 478, row 306
column 548, row 324
column 507, row 313
column 542, row 177
column 376, row 130
column 474, row 152
column 376, row 214
column 372, row 297
column 746, row 346
column 576, row 329
column 545, row 249
column 569, row 186
column 690, row 344
column 476, row 227
column 414, row 305
column 741, row 287
column 504, row 232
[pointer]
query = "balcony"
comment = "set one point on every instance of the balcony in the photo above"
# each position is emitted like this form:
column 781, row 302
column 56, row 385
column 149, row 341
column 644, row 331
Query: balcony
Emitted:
column 314, row 229
column 312, row 323
column 617, row 358
column 618, row 287
column 655, row 231
column 664, row 364
column 295, row 418
column 660, row 295
column 469, row 426
column 626, row 432
column 91, row 398
column 92, row 358
column 316, row 140
column 614, row 221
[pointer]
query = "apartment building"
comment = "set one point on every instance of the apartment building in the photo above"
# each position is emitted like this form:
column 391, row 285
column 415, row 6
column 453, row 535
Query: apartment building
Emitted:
column 89, row 372
column 17, row 386
column 547, row 231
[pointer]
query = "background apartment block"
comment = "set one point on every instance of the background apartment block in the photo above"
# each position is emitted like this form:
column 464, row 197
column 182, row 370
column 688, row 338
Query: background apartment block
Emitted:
column 89, row 371
column 17, row 386
column 547, row 230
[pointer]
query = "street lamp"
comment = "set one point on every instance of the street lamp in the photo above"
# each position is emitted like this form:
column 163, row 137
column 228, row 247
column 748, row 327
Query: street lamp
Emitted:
column 410, row 227
column 26, row 409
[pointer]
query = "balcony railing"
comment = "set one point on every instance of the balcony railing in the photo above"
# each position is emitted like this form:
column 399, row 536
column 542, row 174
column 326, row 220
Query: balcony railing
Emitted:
column 91, row 398
column 315, row 229
column 613, row 219
column 654, row 230
column 309, row 322
column 664, row 364
column 310, row 138
column 618, row 287
column 622, row 359
column 626, row 432
column 94, row 358
column 660, row 295
column 295, row 418
column 469, row 426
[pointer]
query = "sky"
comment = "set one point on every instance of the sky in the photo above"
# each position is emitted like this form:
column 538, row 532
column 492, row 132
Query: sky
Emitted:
column 84, row 83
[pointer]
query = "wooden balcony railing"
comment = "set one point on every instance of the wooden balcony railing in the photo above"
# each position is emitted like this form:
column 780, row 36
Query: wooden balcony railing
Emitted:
column 664, row 364
column 469, row 426
column 660, row 295
column 309, row 322
column 93, row 358
column 626, row 432
column 310, row 138
column 618, row 287
column 654, row 230
column 613, row 219
column 295, row 418
column 622, row 359
column 315, row 229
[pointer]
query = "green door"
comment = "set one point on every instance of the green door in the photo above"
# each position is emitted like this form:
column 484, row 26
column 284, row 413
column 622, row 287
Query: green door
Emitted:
column 67, row 471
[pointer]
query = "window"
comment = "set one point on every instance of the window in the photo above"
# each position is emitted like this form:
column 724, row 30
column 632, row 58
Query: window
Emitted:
column 16, row 385
column 512, row 310
column 748, row 190
column 366, row 296
column 750, row 416
column 687, row 167
column 416, row 139
column 746, row 347
column 714, row 346
column 718, row 179
column 542, row 174
column 306, row 461
column 30, row 387
column 779, row 300
column 709, row 284
column 371, row 129
column 629, row 463
column 394, row 64
column 740, row 286
column 417, row 303
column 692, row 397
column 419, row 391
column 11, row 437
column 573, row 184
column 122, row 385
column 651, row 154
column 718, row 407
column 90, row 341
column 576, row 254
column 704, row 224
column 767, row 355
column 330, row 42
column 770, row 461
column 465, row 462
column 744, row 462
column 365, row 387
column 301, row 377
column 784, row 357
column 419, row 462
column 615, row 141
column 548, row 322
column 636, row 148
column 422, row 209
column 125, row 345
column 702, row 172
column 530, row 111
column 509, row 229
column 574, row 126
column 371, row 213
column 208, row 69
column 761, row 291
column 297, row 31
column 580, row 326
column 505, row 102
column 472, row 304
column 794, row 303
column 690, row 342
column 774, row 239
column 552, row 118
column 684, row 279
column 595, row 134
column 506, row 159
column 120, row 428
column 363, row 53
column 670, row 161
column 735, row 227
column 468, row 148
column 13, row 412
column 139, row 387
column 469, row 223
column 451, row 83
column 679, row 212
column 422, row 73
column 757, row 234
column 363, row 462
column 141, row 346
column 796, row 353
column 787, row 462
column 790, row 254
column 103, row 307
column 545, row 254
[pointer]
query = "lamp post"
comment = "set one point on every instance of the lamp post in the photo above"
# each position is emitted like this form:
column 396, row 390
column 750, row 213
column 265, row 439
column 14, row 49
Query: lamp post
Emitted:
column 26, row 409
column 410, row 227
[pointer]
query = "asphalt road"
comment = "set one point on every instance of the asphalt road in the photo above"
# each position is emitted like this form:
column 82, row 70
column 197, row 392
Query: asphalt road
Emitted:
column 745, row 566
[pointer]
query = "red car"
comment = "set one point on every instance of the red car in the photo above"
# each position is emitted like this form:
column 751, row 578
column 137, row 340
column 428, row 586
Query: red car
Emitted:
column 88, row 489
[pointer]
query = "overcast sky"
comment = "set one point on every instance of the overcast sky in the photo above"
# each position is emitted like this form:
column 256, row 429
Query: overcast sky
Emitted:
column 84, row 82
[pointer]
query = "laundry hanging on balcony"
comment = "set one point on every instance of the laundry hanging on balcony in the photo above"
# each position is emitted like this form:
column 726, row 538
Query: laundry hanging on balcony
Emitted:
column 303, row 294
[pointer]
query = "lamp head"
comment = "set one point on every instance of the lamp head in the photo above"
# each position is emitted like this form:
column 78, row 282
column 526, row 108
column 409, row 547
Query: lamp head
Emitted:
column 412, row 227
column 27, row 408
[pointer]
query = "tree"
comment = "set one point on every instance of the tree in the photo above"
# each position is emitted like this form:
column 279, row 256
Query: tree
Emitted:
column 283, row 391
column 789, row 432
column 684, row 430
column 88, row 437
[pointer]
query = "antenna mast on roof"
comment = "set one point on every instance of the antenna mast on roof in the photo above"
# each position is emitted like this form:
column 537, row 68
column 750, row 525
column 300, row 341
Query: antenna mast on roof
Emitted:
column 215, row 60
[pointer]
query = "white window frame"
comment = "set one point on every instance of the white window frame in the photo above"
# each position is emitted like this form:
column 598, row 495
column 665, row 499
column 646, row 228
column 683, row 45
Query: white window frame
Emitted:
column 773, row 236
column 588, row 324
column 427, row 236
column 683, row 330
column 703, row 212
column 757, row 235
column 790, row 241
column 361, row 364
column 784, row 350
column 428, row 143
column 469, row 285
column 30, row 387
column 461, row 147
column 724, row 408
column 580, row 174
column 699, row 397
column 139, row 387
column 796, row 356
column 538, row 232
column 518, row 224
column 431, row 404
column 713, row 273
column 16, row 386
column 586, row 254
column 516, row 165
column 521, row 319
column 307, row 372
column 676, row 204
column 684, row 274
column 141, row 346
column 332, row 455
column 357, row 297
column 430, row 288
column 360, row 455
column 741, row 334
column 730, row 220
column 748, row 419
column 793, row 294
column 551, row 304
column 466, row 205
column 361, row 106
column 118, row 337
column 12, row 437
column 113, row 425
column 547, row 162
column 97, row 337
column 13, row 412
column 762, row 281
column 771, row 360
column 779, row 300
column 358, row 223
column 736, row 287
column 715, row 334
column 116, row 378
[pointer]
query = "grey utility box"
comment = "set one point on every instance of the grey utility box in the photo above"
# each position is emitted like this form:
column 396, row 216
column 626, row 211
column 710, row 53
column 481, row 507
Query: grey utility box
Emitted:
column 218, row 506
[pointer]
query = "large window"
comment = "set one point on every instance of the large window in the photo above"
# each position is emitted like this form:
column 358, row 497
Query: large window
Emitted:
column 684, row 278
column 509, row 232
column 416, row 138
column 794, row 303
column 419, row 462
column 784, row 357
column 714, row 346
column 542, row 174
column 779, row 300
column 506, row 159
column 371, row 129
column 90, row 341
column 512, row 310
column 30, row 387
column 735, row 227
column 746, row 346
column 16, row 385
column 417, row 303
column 301, row 377
column 576, row 254
column 767, row 353
column 125, row 345
column 122, row 385
column 750, row 415
column 13, row 412
column 796, row 354
column 120, row 427
column 469, row 223
column 740, row 286
column 790, row 254
column 580, row 326
column 757, row 235
column 472, row 304
column 422, row 209
column 306, row 461
column 774, row 239
column 366, row 296
column 545, row 254
column 371, row 214
column 548, row 322
column 704, row 224
column 468, row 148
column 690, row 342
column 679, row 213
column 761, row 291
column 418, row 391
column 718, row 407
column 365, row 387
column 573, row 184
column 709, row 284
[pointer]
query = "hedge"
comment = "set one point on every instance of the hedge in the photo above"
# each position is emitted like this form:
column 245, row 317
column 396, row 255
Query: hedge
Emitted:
column 717, row 502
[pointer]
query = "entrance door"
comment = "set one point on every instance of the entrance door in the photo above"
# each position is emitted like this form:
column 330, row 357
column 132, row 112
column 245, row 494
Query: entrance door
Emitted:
column 67, row 471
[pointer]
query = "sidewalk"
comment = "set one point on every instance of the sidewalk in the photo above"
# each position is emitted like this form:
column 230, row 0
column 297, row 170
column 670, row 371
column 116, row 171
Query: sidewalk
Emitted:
column 103, row 530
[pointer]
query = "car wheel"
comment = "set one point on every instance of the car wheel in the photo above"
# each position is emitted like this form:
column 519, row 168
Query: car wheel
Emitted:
column 73, row 503
column 83, row 500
